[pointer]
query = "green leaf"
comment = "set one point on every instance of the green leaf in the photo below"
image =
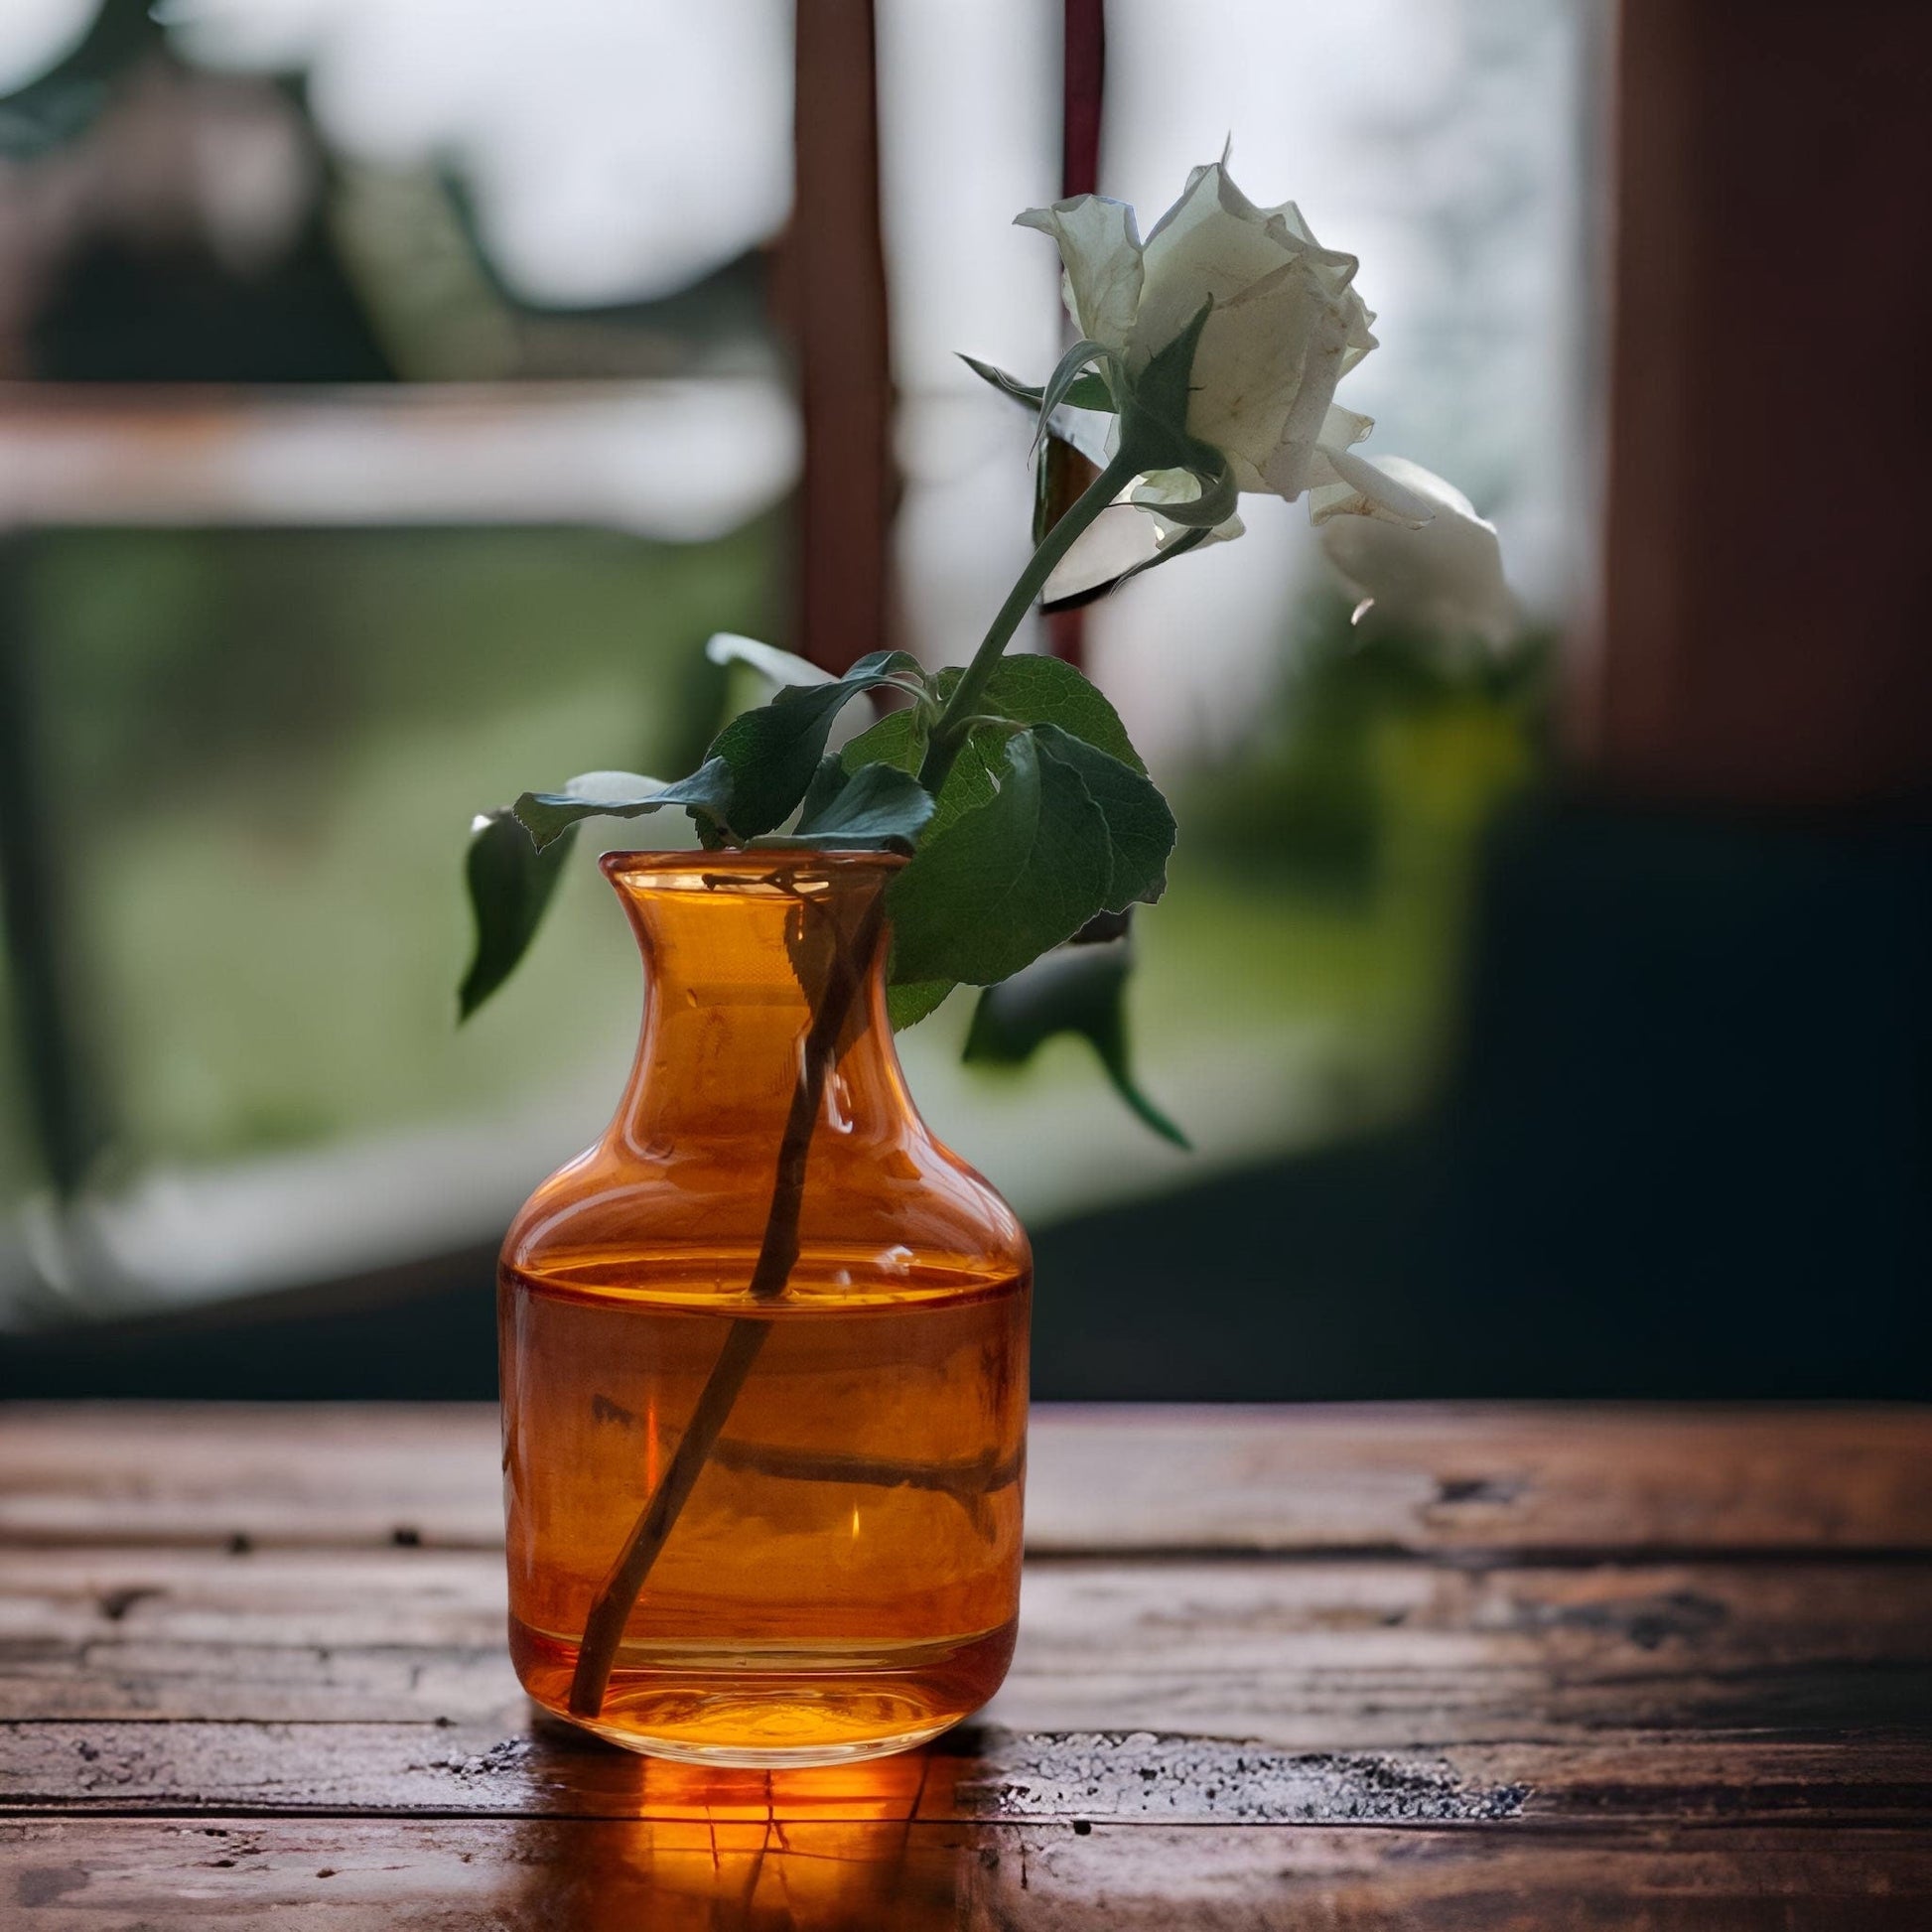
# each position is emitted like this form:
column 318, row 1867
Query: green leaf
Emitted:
column 1035, row 690
column 909, row 1004
column 879, row 807
column 547, row 815
column 1139, row 827
column 827, row 783
column 1088, row 390
column 773, row 750
column 898, row 739
column 1072, row 990
column 510, row 884
column 1004, row 882
column 974, row 779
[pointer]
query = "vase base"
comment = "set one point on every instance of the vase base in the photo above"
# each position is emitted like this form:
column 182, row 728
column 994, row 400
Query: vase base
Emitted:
column 759, row 1708
column 761, row 1758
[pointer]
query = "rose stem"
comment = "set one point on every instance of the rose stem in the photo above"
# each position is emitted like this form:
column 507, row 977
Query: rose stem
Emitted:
column 603, row 1630
column 956, row 719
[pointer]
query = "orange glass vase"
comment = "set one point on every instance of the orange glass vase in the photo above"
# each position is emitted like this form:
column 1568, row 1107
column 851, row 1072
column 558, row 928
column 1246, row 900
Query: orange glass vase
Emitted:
column 763, row 1355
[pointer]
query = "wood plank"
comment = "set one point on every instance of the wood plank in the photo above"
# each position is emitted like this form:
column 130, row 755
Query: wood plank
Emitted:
column 1345, row 1654
column 1434, row 1480
column 213, row 1474
column 429, row 1876
column 975, row 1774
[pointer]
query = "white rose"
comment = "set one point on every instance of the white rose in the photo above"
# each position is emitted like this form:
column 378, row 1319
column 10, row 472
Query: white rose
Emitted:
column 1285, row 327
column 1443, row 579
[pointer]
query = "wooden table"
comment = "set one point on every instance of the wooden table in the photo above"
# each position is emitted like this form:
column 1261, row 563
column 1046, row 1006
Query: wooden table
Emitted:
column 1480, row 1667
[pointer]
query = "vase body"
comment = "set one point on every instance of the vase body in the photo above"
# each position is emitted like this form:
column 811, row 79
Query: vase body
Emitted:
column 763, row 1473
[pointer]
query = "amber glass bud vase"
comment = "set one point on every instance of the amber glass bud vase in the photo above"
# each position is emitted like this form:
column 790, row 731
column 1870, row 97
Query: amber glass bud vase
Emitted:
column 764, row 1355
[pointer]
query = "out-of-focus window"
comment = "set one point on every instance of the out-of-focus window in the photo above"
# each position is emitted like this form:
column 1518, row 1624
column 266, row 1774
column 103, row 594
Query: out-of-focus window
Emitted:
column 393, row 410
column 391, row 405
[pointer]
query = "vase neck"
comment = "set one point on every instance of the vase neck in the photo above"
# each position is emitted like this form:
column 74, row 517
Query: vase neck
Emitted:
column 744, row 953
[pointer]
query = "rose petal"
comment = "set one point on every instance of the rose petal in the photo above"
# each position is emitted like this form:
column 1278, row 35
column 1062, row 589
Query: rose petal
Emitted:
column 1118, row 540
column 1342, row 484
column 1444, row 578
column 1100, row 249
column 1286, row 325
column 1212, row 243
column 1129, row 532
column 1293, row 466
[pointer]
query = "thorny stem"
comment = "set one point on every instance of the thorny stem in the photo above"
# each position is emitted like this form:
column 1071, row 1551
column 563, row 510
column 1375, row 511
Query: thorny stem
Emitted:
column 746, row 1336
column 957, row 718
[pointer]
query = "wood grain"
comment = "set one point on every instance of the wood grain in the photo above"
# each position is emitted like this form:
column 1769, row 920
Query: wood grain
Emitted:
column 187, row 1767
column 1361, row 1653
column 340, row 1874
column 1497, row 1667
column 434, row 1875
column 1562, row 1480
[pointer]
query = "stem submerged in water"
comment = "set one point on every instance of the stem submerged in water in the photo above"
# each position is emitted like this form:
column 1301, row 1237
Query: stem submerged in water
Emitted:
column 744, row 1338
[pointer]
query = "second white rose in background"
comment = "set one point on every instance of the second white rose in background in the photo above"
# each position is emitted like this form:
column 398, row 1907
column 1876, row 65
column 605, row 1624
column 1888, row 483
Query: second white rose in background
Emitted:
column 1441, row 579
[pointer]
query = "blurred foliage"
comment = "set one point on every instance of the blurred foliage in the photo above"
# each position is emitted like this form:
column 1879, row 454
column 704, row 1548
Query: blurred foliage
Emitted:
column 1372, row 734
column 263, row 748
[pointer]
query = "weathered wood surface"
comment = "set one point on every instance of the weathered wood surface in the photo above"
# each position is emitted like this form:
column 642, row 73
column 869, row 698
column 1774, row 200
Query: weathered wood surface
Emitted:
column 573, row 1875
column 1351, row 1654
column 1507, row 1667
column 1418, row 1478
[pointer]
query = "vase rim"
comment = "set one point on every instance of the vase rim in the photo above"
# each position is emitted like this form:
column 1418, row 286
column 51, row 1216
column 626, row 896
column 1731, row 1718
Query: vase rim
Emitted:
column 688, row 870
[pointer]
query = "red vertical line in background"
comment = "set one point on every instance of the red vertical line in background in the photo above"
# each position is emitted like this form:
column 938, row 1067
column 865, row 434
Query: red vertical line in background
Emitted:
column 1083, row 81
column 831, row 289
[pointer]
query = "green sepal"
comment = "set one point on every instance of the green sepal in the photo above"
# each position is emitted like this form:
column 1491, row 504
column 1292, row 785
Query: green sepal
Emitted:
column 1088, row 389
column 1218, row 498
column 1154, row 430
column 1059, row 386
column 1159, row 392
